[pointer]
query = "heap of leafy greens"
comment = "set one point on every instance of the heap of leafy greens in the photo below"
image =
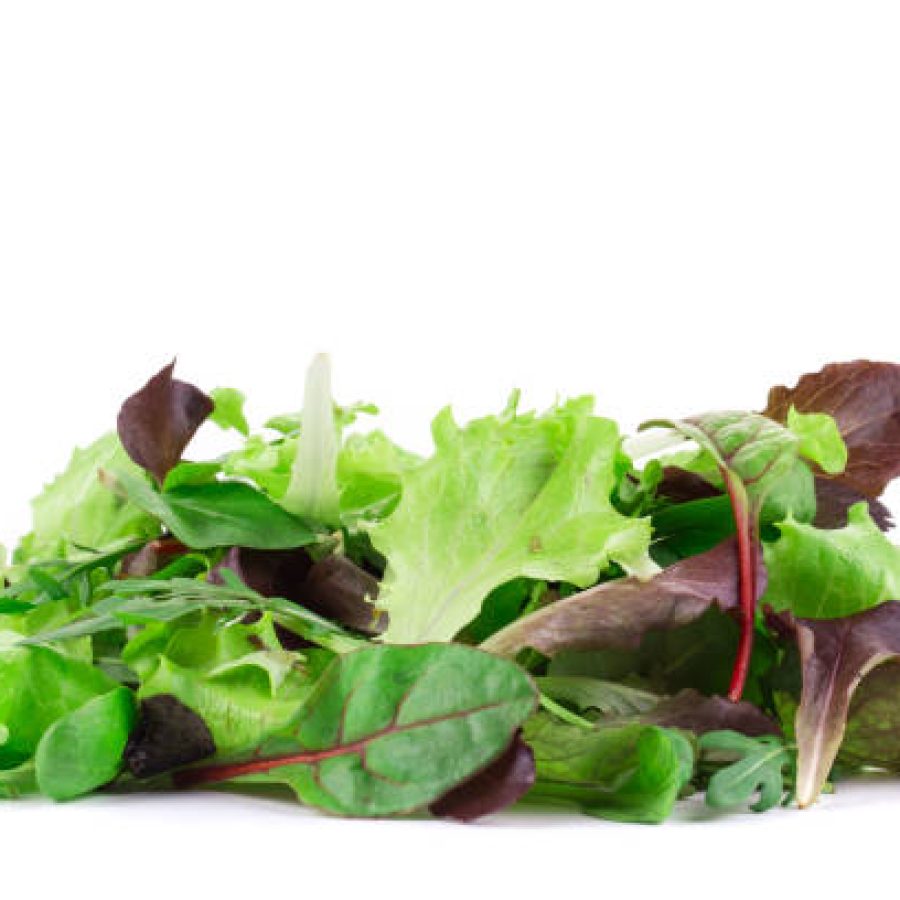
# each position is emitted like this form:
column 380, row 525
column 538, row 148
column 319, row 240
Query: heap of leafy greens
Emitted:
column 541, row 611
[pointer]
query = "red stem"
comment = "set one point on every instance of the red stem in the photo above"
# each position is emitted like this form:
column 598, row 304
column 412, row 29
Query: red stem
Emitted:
column 227, row 771
column 747, row 587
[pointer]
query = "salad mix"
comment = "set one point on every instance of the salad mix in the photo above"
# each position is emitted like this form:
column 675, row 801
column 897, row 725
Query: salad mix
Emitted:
column 542, row 610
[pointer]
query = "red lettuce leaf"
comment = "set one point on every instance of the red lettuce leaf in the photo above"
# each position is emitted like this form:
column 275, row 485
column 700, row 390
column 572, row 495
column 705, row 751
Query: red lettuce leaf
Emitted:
column 158, row 422
column 835, row 656
column 834, row 499
column 501, row 784
column 863, row 397
column 617, row 614
column 691, row 711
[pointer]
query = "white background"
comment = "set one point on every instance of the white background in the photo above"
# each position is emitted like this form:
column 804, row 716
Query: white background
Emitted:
column 670, row 205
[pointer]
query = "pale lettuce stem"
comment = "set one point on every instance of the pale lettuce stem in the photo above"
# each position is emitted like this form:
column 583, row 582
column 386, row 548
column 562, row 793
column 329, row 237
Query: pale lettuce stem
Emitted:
column 313, row 491
column 649, row 443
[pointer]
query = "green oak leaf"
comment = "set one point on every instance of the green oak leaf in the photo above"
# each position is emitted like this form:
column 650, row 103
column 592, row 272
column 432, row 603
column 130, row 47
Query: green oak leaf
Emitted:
column 228, row 409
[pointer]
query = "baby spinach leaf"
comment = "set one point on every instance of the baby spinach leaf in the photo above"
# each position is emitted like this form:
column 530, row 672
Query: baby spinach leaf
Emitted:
column 157, row 423
column 752, row 766
column 608, row 698
column 83, row 750
column 18, row 782
column 390, row 729
column 217, row 514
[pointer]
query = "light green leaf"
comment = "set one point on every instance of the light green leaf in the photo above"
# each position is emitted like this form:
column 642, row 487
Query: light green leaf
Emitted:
column 228, row 409
column 820, row 574
column 820, row 439
column 37, row 687
column 83, row 750
column 631, row 773
column 76, row 511
column 503, row 497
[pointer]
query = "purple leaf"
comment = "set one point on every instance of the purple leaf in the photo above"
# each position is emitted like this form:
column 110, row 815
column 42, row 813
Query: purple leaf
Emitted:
column 692, row 711
column 617, row 614
column 158, row 422
column 501, row 784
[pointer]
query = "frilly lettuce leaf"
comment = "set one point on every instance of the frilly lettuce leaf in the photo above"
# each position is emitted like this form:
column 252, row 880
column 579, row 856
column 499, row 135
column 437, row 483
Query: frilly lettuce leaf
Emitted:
column 506, row 496
column 818, row 573
column 76, row 511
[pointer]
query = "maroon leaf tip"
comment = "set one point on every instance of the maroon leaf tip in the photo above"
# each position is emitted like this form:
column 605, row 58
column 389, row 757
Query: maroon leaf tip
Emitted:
column 157, row 423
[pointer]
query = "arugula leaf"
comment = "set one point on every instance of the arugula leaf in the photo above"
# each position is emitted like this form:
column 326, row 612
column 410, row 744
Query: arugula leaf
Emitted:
column 822, row 574
column 632, row 773
column 752, row 766
column 391, row 729
column 508, row 496
column 83, row 750
column 217, row 514
column 157, row 423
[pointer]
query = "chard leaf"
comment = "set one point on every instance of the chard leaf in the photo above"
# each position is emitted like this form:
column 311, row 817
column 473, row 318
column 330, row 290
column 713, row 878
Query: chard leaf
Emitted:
column 83, row 750
column 501, row 784
column 824, row 574
column 632, row 773
column 157, row 423
column 391, row 729
column 752, row 766
column 228, row 410
column 504, row 497
column 835, row 656
column 217, row 514
column 863, row 397
column 617, row 614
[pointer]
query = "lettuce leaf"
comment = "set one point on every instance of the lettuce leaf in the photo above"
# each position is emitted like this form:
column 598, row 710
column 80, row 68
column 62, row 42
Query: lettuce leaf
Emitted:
column 824, row 574
column 506, row 496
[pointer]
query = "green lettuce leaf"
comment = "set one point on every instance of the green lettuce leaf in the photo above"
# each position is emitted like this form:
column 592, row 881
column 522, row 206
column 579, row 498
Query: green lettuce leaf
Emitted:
column 820, row 439
column 824, row 574
column 506, row 496
column 632, row 773
column 76, row 511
